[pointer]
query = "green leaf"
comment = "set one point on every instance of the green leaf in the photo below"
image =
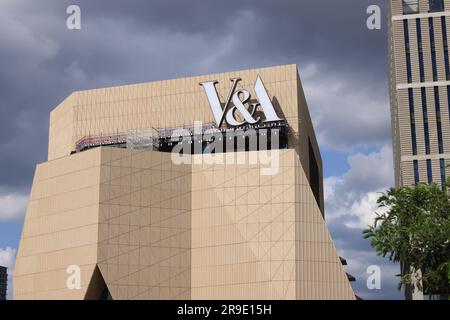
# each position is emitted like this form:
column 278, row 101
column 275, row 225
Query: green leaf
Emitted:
column 414, row 228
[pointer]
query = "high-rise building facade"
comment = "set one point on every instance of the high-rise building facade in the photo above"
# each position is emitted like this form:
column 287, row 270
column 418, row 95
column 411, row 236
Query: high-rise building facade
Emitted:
column 115, row 214
column 3, row 282
column 419, row 74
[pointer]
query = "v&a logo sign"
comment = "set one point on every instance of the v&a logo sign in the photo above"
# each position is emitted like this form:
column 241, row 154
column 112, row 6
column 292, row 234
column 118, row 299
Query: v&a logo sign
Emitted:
column 239, row 99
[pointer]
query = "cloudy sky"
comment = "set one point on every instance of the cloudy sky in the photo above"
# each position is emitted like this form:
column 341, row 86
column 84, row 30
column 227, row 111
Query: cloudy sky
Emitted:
column 343, row 66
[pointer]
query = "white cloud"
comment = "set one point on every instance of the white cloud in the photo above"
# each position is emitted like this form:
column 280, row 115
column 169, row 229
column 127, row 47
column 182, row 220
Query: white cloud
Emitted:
column 354, row 194
column 364, row 209
column 12, row 206
column 350, row 205
column 347, row 111
column 7, row 259
column 329, row 187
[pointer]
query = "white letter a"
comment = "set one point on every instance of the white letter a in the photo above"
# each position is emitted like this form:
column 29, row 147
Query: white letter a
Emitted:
column 74, row 20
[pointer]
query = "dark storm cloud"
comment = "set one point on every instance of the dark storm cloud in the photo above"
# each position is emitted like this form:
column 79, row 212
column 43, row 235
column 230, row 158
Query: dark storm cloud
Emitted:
column 41, row 61
column 300, row 30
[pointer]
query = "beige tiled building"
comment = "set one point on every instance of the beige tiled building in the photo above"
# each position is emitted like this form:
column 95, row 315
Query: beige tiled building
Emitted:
column 419, row 71
column 140, row 226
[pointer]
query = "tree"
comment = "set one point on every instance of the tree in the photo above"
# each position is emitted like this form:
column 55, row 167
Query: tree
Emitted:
column 414, row 229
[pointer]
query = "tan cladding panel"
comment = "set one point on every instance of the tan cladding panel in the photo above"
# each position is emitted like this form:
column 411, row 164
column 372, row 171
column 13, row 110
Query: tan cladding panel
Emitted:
column 439, row 45
column 431, row 111
column 419, row 121
column 60, row 228
column 261, row 237
column 407, row 171
column 319, row 273
column 445, row 119
column 144, row 228
column 396, row 7
column 162, row 104
column 61, row 128
column 423, row 5
column 399, row 52
column 51, row 285
column 414, row 50
column 404, row 122
column 157, row 230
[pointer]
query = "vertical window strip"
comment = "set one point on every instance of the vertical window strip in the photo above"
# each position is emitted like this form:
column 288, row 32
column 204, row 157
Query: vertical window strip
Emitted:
column 442, row 167
column 448, row 99
column 429, row 171
column 426, row 129
column 407, row 50
column 416, row 171
column 433, row 49
column 437, row 104
column 444, row 38
column 412, row 121
column 420, row 49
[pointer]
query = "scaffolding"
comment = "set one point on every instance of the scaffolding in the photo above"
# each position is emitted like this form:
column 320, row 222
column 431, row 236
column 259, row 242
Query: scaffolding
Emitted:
column 92, row 141
column 163, row 139
column 143, row 139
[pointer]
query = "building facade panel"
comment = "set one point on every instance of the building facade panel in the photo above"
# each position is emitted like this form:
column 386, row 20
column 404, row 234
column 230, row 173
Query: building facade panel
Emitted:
column 141, row 226
column 420, row 134
column 145, row 226
column 60, row 229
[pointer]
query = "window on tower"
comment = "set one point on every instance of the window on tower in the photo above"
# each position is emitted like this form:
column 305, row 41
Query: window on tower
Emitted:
column 436, row 5
column 410, row 6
